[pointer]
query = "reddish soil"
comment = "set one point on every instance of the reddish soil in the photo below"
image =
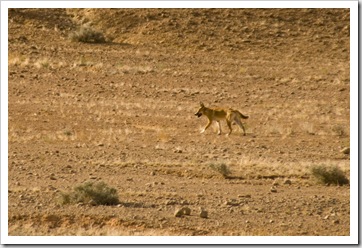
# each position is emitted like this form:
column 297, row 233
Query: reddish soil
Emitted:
column 122, row 112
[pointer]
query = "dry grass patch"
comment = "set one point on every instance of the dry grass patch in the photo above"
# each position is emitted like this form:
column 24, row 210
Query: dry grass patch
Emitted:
column 91, row 193
column 18, row 60
column 221, row 168
column 329, row 174
column 340, row 130
column 42, row 63
column 87, row 34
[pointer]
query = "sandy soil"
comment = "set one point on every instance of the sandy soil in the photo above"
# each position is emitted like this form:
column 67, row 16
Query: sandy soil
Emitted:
column 122, row 112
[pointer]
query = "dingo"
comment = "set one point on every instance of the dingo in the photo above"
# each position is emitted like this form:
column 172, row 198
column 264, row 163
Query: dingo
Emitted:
column 218, row 114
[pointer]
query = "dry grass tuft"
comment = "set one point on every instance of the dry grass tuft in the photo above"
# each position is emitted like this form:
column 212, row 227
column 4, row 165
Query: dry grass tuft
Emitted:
column 222, row 168
column 329, row 174
column 91, row 193
column 42, row 63
column 87, row 34
column 340, row 130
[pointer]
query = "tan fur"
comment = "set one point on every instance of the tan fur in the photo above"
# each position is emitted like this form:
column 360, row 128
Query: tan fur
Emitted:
column 219, row 114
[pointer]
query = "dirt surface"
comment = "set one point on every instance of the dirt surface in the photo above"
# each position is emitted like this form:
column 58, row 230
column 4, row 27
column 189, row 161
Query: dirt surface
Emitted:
column 122, row 112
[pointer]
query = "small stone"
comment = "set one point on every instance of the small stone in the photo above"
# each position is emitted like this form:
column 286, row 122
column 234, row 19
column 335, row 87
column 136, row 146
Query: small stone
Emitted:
column 275, row 183
column 245, row 196
column 288, row 182
column 152, row 173
column 171, row 202
column 345, row 150
column 273, row 189
column 182, row 211
column 186, row 210
column 203, row 213
column 178, row 213
column 232, row 202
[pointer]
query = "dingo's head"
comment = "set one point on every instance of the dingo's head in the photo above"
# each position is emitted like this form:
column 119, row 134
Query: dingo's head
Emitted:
column 201, row 110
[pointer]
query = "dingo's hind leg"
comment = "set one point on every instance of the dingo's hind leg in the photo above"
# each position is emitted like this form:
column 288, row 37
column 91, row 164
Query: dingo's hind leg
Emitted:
column 237, row 121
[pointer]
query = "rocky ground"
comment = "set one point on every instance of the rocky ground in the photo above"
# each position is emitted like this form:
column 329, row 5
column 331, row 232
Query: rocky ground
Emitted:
column 122, row 112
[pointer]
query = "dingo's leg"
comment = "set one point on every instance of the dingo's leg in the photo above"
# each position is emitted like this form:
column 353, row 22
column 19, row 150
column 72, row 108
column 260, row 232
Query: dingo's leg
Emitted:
column 219, row 132
column 229, row 125
column 237, row 121
column 208, row 124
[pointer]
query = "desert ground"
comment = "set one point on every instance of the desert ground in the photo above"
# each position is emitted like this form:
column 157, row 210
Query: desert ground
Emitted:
column 121, row 111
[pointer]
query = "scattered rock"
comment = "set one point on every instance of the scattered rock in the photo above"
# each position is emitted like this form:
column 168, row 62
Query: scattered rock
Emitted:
column 171, row 202
column 345, row 150
column 186, row 210
column 182, row 211
column 288, row 182
column 245, row 196
column 177, row 150
column 273, row 189
column 275, row 183
column 203, row 213
column 232, row 202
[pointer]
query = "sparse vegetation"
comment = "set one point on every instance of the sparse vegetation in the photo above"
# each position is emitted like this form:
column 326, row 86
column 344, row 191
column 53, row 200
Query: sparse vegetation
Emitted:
column 42, row 63
column 339, row 130
column 87, row 34
column 329, row 174
column 67, row 132
column 91, row 193
column 222, row 168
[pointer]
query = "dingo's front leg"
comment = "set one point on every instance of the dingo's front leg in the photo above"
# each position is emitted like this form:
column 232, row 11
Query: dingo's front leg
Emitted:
column 219, row 132
column 208, row 124
column 229, row 125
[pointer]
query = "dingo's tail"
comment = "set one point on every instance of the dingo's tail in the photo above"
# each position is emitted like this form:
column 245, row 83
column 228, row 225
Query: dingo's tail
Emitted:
column 242, row 116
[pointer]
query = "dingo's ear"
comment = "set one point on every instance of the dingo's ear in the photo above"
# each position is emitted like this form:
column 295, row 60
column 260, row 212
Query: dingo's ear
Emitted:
column 201, row 104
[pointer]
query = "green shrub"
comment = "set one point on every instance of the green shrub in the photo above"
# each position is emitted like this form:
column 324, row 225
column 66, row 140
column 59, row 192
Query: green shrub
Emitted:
column 92, row 193
column 221, row 168
column 87, row 34
column 329, row 175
